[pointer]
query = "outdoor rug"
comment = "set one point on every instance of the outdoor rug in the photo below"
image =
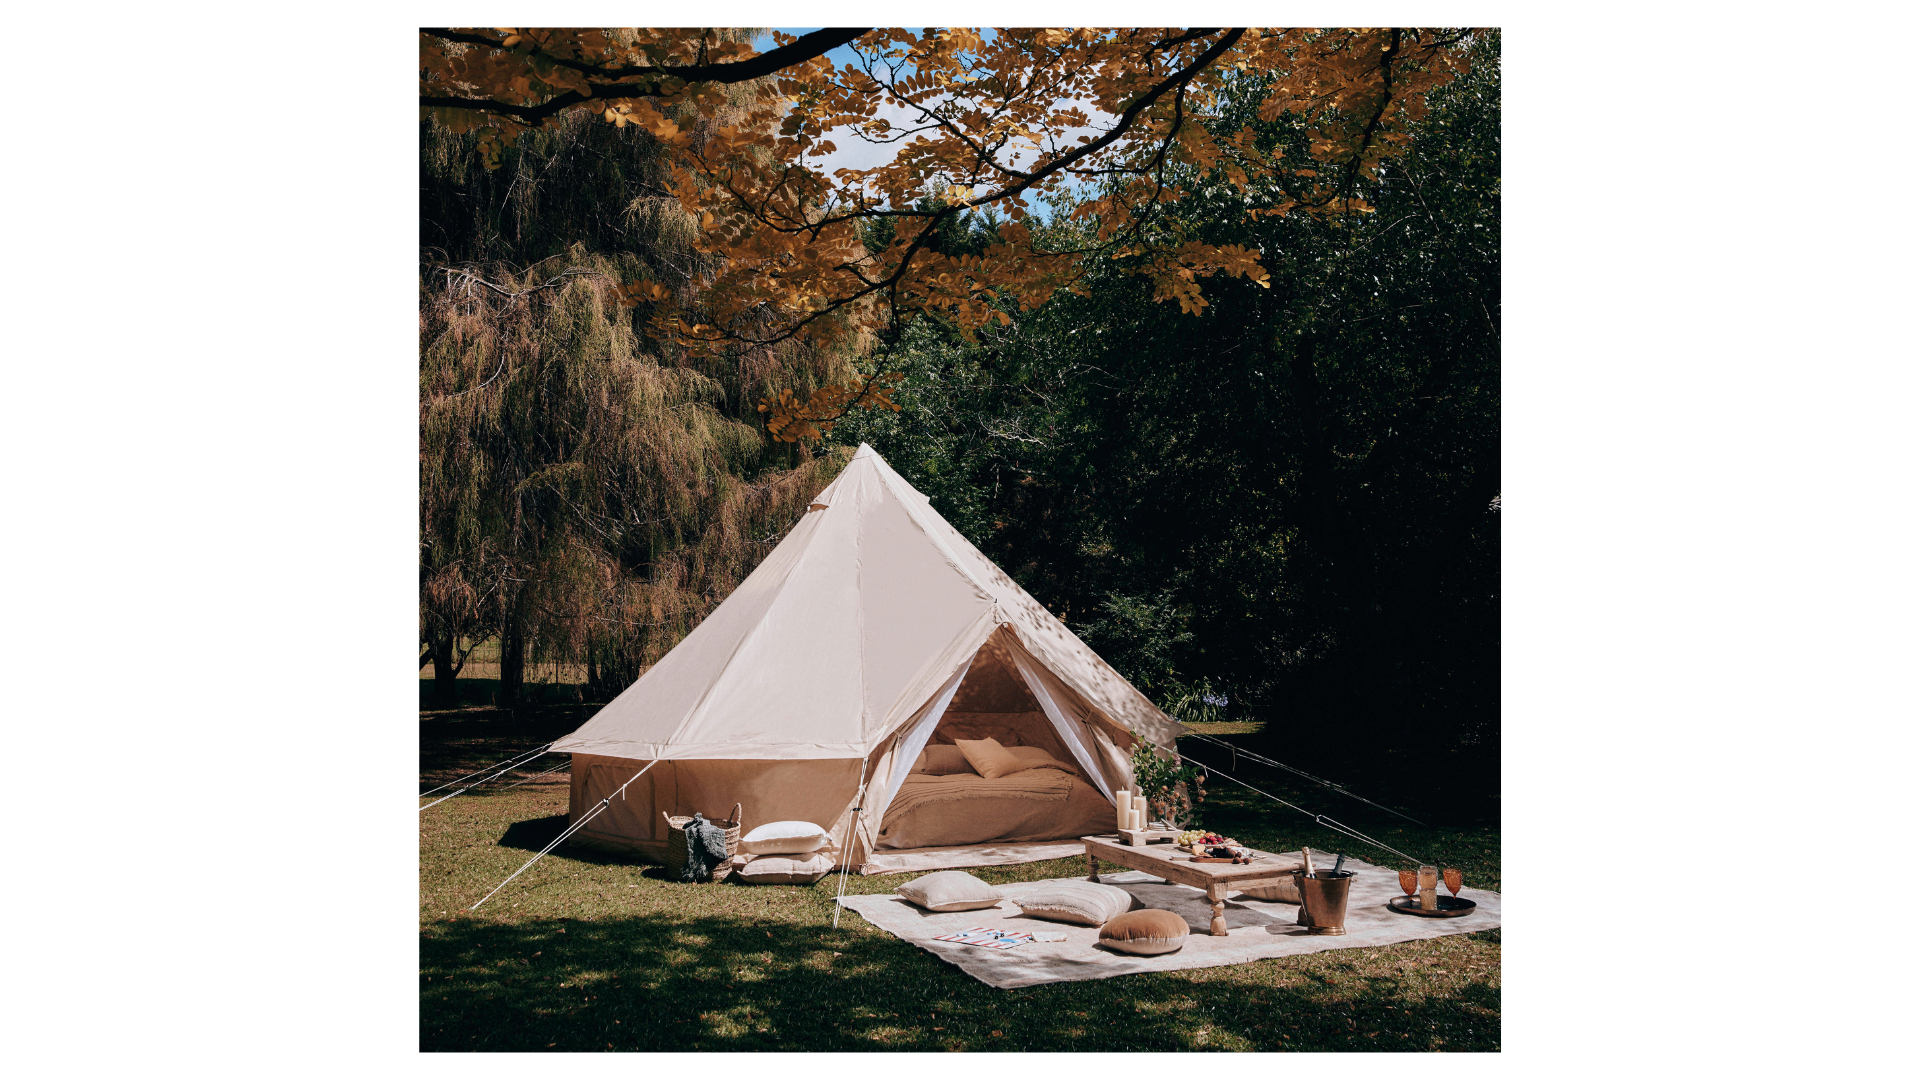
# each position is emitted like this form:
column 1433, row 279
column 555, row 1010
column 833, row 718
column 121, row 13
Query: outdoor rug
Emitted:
column 911, row 860
column 1256, row 929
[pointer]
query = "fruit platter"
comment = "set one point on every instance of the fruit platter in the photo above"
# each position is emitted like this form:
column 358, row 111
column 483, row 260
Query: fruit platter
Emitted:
column 1212, row 847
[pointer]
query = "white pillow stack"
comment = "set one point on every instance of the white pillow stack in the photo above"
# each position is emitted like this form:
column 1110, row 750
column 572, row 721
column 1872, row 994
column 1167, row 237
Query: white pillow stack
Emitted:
column 786, row 853
column 786, row 869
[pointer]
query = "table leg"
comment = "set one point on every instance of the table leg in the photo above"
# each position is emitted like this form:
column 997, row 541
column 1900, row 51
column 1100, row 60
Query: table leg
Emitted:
column 1093, row 867
column 1218, row 928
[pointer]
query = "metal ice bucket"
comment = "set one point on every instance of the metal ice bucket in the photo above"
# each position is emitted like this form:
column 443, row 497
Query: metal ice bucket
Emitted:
column 1323, row 900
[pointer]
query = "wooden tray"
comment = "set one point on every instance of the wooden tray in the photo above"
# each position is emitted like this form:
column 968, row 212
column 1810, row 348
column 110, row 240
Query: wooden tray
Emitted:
column 1210, row 858
column 1451, row 907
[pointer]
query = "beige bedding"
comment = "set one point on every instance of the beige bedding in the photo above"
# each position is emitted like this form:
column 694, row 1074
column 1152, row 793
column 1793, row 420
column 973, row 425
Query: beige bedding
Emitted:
column 947, row 811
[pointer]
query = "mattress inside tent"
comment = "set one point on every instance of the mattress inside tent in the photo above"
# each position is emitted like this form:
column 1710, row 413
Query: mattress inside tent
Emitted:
column 989, row 830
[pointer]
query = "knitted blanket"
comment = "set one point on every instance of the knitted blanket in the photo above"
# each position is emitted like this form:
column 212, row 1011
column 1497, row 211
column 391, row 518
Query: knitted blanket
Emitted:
column 1042, row 785
column 706, row 849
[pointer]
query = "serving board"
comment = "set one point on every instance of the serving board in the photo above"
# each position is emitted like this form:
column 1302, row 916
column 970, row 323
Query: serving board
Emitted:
column 1451, row 907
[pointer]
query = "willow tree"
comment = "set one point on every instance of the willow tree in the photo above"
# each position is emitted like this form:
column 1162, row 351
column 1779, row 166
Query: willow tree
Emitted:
column 588, row 492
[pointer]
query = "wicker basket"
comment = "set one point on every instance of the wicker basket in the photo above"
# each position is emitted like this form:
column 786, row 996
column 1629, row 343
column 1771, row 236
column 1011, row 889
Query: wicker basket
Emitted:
column 677, row 842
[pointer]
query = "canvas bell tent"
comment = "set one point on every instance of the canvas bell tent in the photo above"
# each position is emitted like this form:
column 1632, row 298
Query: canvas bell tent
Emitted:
column 873, row 636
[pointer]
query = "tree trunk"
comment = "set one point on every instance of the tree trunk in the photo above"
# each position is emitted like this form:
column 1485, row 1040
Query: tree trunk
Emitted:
column 446, row 688
column 513, row 667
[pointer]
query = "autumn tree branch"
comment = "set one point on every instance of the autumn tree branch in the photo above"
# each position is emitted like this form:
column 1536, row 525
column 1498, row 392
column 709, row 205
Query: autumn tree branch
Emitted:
column 806, row 47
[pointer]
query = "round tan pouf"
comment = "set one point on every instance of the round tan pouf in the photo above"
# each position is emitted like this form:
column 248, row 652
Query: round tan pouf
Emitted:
column 1149, row 932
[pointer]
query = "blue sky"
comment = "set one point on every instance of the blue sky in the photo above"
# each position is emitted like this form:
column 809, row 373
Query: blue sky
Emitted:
column 850, row 151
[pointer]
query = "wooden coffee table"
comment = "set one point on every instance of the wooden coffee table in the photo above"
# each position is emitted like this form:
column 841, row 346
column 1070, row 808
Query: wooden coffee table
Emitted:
column 1216, row 879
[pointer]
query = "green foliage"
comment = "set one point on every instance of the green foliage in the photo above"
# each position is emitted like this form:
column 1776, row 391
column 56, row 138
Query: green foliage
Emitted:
column 1140, row 635
column 1173, row 790
column 1290, row 497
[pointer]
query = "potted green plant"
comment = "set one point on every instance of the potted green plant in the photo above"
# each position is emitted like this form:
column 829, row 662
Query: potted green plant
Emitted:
column 1173, row 790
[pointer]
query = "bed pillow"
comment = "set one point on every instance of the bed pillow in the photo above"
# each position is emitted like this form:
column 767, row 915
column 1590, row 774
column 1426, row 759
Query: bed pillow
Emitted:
column 785, row 838
column 1088, row 903
column 1033, row 757
column 950, row 890
column 786, row 869
column 941, row 760
column 989, row 758
column 1149, row 932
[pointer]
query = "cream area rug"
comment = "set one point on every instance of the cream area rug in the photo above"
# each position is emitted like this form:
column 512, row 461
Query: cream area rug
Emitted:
column 921, row 860
column 1256, row 929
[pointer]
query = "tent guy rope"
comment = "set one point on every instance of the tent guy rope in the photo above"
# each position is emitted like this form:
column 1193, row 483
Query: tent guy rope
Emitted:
column 1251, row 756
column 1318, row 819
column 538, row 775
column 569, row 831
column 516, row 760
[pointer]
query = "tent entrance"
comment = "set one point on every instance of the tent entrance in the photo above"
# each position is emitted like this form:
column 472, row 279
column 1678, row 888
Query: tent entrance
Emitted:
column 1001, row 694
column 1003, row 698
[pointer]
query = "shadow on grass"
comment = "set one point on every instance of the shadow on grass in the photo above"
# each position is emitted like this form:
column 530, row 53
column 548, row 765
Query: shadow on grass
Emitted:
column 534, row 833
column 658, row 983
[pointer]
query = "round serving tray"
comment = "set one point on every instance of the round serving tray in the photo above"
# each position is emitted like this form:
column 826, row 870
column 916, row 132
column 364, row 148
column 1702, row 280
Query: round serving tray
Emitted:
column 1451, row 907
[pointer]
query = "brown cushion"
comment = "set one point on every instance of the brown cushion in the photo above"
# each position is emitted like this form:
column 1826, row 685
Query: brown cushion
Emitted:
column 1033, row 757
column 1147, row 932
column 989, row 758
column 941, row 760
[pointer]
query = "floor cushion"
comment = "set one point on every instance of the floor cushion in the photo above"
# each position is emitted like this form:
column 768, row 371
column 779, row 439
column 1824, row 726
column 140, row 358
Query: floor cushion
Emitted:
column 1148, row 932
column 1088, row 903
column 785, row 838
column 803, row 869
column 950, row 890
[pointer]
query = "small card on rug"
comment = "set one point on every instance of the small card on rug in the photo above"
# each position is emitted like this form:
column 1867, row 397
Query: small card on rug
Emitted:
column 987, row 938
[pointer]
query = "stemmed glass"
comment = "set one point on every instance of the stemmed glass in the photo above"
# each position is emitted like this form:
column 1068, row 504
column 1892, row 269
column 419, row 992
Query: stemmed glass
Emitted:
column 1409, row 881
column 1451, row 875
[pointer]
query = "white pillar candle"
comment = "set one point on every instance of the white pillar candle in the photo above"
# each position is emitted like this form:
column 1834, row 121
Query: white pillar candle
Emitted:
column 1139, row 811
column 1133, row 820
column 1122, row 806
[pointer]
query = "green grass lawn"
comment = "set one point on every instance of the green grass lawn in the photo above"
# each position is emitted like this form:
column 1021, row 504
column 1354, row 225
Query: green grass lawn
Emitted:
column 588, row 951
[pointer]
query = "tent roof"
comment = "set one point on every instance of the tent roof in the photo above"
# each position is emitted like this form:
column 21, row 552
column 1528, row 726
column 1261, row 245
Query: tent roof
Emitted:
column 863, row 611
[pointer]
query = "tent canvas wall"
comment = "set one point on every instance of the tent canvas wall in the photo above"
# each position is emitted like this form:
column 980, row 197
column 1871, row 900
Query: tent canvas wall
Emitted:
column 871, row 629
